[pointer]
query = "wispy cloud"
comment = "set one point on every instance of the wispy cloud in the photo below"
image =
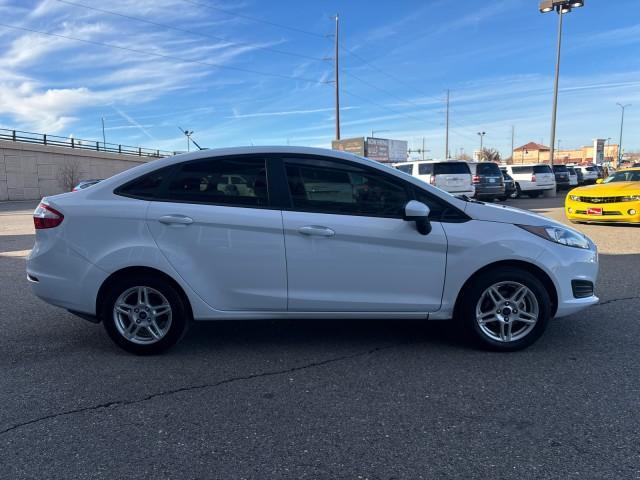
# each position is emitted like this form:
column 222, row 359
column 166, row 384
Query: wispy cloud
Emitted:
column 285, row 112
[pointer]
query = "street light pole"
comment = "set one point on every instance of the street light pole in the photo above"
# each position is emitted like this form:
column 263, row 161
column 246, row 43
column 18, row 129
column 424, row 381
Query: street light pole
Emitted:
column 481, row 134
column 562, row 7
column 623, row 107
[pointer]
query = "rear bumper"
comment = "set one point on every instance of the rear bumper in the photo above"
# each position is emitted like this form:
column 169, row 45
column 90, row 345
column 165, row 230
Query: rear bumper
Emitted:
column 486, row 190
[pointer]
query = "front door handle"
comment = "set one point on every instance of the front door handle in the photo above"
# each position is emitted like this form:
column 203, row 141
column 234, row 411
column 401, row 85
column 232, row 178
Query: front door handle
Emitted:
column 316, row 231
column 175, row 220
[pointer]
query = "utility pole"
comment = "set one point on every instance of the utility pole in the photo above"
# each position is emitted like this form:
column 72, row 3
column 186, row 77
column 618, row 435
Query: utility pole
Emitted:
column 446, row 150
column 337, row 80
column 422, row 148
column 623, row 107
column 513, row 136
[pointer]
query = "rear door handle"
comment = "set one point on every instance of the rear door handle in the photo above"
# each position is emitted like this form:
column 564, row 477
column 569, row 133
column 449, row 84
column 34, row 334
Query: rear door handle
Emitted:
column 175, row 220
column 316, row 231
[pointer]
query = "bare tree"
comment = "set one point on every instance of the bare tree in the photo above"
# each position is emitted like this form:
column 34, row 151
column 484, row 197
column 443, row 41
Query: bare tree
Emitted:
column 490, row 155
column 464, row 156
column 69, row 174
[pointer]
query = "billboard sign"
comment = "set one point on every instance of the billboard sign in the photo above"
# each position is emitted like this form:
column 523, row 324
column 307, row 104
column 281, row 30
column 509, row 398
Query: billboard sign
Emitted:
column 378, row 149
column 351, row 145
column 398, row 150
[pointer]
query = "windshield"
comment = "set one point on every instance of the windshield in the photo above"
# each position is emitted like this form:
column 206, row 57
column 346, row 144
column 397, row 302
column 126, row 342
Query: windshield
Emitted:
column 628, row 176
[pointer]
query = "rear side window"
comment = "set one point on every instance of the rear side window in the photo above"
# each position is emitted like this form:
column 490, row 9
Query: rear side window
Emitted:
column 488, row 168
column 542, row 169
column 451, row 168
column 591, row 169
column 146, row 186
column 522, row 170
column 405, row 168
column 425, row 169
column 227, row 181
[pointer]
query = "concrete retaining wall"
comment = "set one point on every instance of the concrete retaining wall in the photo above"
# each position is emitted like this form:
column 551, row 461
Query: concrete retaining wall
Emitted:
column 30, row 172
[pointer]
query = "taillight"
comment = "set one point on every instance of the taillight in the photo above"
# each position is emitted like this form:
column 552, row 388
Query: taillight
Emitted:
column 533, row 178
column 432, row 180
column 476, row 179
column 46, row 217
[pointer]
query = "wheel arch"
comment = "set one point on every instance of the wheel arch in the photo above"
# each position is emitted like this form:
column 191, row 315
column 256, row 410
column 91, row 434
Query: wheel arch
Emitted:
column 138, row 270
column 534, row 270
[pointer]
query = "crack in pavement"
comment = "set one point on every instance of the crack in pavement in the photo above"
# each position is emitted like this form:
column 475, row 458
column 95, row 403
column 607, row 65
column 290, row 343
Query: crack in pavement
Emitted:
column 118, row 403
column 606, row 302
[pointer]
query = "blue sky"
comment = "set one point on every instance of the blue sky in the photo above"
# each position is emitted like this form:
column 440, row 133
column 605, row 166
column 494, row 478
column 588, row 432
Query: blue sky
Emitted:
column 235, row 75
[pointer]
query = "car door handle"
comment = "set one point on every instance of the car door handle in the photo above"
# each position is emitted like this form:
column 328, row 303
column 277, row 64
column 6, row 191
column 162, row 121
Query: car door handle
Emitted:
column 175, row 220
column 317, row 231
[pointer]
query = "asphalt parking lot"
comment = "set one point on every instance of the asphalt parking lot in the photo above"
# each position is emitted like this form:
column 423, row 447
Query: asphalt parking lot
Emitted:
column 312, row 399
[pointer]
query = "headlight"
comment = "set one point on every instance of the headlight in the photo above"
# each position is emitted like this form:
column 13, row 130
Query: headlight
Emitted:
column 630, row 198
column 561, row 235
column 575, row 198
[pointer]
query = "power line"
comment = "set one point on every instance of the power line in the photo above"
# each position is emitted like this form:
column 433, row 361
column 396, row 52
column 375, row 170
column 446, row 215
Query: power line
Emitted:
column 161, row 55
column 190, row 32
column 254, row 19
column 379, row 105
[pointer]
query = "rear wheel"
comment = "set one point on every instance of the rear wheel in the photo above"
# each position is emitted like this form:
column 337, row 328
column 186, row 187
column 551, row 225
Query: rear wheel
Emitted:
column 505, row 309
column 144, row 315
column 518, row 192
column 533, row 194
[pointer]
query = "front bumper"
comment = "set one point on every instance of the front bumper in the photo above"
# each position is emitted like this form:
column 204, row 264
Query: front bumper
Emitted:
column 620, row 212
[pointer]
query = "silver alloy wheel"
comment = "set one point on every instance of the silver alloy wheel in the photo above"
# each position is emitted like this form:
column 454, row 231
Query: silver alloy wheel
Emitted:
column 142, row 315
column 507, row 311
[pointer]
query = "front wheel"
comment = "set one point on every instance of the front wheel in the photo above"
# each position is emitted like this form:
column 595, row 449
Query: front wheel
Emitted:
column 505, row 309
column 144, row 315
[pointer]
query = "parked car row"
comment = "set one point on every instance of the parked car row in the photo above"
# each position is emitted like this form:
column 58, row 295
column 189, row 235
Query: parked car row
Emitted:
column 489, row 181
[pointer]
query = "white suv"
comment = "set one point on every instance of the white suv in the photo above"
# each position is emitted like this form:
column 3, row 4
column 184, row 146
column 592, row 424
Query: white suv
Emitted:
column 532, row 180
column 589, row 173
column 312, row 234
column 451, row 176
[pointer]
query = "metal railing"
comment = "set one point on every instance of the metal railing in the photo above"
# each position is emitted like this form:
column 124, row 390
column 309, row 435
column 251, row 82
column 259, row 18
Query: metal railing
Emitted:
column 79, row 144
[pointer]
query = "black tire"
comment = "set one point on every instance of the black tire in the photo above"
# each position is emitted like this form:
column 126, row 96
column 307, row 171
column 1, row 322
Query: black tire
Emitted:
column 180, row 314
column 533, row 194
column 471, row 296
column 502, row 198
column 518, row 193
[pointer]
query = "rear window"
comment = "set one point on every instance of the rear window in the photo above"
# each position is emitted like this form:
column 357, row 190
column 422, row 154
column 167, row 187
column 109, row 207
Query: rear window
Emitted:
column 405, row 168
column 488, row 168
column 560, row 168
column 591, row 169
column 425, row 169
column 451, row 168
column 542, row 169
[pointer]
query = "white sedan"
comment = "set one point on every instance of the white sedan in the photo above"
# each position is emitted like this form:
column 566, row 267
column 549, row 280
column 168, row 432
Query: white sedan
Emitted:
column 287, row 232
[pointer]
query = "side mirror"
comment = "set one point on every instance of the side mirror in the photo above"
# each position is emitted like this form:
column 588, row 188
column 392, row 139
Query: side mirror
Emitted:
column 418, row 212
column 600, row 180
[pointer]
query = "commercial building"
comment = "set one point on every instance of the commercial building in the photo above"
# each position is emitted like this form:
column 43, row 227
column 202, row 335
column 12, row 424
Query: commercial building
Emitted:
column 536, row 153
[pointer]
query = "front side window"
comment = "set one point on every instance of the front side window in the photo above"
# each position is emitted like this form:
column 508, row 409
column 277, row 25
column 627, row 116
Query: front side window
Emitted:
column 326, row 186
column 228, row 181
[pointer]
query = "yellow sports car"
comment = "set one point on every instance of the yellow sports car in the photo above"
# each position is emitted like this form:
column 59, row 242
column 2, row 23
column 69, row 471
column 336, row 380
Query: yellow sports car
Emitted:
column 616, row 199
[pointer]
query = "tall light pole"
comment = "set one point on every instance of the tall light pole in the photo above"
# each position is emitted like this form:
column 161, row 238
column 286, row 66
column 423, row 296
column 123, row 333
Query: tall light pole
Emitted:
column 481, row 134
column 623, row 107
column 337, row 77
column 562, row 7
column 373, row 132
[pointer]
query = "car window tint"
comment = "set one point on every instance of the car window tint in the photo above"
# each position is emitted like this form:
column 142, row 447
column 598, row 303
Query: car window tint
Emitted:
column 629, row 176
column 325, row 186
column 147, row 186
column 560, row 168
column 425, row 168
column 522, row 170
column 542, row 169
column 231, row 181
column 451, row 168
column 487, row 168
column 405, row 168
